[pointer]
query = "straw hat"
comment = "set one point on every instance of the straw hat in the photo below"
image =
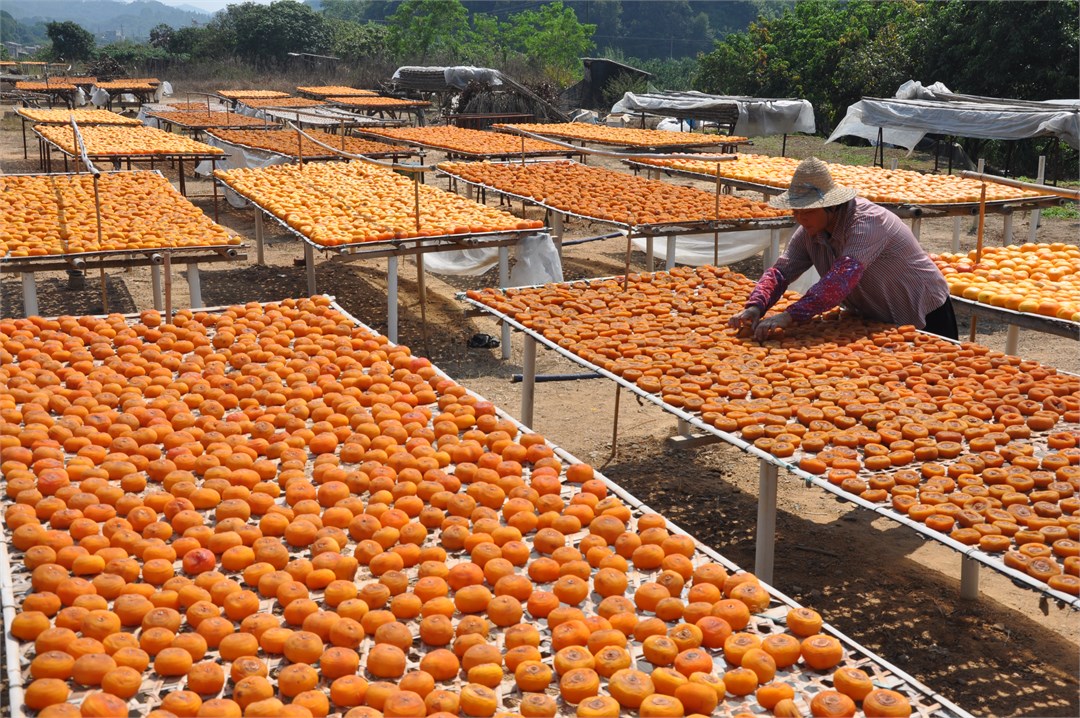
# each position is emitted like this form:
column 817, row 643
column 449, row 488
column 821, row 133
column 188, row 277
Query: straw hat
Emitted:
column 812, row 186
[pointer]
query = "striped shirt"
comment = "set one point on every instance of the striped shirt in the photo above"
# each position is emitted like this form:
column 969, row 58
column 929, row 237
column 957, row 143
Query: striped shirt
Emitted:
column 871, row 265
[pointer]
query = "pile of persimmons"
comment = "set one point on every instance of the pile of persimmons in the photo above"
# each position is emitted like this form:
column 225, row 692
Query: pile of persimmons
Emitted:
column 288, row 142
column 621, row 136
column 63, row 117
column 199, row 117
column 143, row 84
column 251, row 94
column 980, row 446
column 874, row 183
column 111, row 140
column 337, row 203
column 322, row 91
column 269, row 512
column 258, row 102
column 471, row 142
column 1034, row 278
column 56, row 214
column 378, row 103
column 608, row 195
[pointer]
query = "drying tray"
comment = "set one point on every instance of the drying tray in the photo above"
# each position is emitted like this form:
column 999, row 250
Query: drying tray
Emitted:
column 904, row 209
column 665, row 229
column 991, row 560
column 15, row 584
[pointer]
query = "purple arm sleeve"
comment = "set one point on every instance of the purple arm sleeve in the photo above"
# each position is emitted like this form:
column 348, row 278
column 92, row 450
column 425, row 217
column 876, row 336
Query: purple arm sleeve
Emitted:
column 768, row 290
column 829, row 291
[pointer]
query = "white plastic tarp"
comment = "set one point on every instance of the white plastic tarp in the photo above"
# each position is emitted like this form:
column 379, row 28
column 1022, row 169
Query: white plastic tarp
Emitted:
column 758, row 117
column 458, row 76
column 697, row 250
column 536, row 261
column 918, row 110
column 238, row 158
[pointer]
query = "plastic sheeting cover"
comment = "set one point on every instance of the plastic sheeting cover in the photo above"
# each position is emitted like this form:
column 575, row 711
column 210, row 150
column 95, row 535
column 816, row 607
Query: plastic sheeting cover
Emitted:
column 696, row 250
column 536, row 261
column 238, row 158
column 917, row 110
column 458, row 76
column 758, row 117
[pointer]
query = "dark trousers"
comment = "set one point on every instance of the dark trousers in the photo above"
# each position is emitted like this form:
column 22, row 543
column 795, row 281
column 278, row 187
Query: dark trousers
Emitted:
column 942, row 321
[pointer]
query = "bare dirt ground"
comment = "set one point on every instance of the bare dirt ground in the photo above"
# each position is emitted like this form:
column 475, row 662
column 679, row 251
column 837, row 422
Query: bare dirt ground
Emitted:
column 1007, row 653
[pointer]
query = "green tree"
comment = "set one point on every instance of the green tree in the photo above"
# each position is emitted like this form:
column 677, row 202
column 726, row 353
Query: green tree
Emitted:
column 160, row 35
column 351, row 10
column 266, row 34
column 70, row 41
column 827, row 52
column 553, row 38
column 422, row 30
column 355, row 42
column 1002, row 49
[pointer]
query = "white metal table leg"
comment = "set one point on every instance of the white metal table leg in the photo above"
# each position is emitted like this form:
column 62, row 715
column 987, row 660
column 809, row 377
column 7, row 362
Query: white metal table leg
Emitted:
column 260, row 238
column 766, row 522
column 194, row 285
column 1037, row 214
column 557, row 230
column 392, row 298
column 155, row 286
column 969, row 578
column 774, row 247
column 29, row 293
column 309, row 267
column 528, row 380
column 649, row 253
column 1006, row 229
column 916, row 226
column 504, row 280
column 669, row 260
column 1012, row 340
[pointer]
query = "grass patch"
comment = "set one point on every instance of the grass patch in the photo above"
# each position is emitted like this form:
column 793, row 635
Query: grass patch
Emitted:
column 1066, row 211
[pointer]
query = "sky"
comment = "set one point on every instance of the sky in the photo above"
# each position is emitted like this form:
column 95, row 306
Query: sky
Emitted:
column 210, row 6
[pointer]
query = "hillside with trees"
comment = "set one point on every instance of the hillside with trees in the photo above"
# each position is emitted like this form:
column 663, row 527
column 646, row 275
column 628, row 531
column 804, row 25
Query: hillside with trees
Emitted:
column 106, row 19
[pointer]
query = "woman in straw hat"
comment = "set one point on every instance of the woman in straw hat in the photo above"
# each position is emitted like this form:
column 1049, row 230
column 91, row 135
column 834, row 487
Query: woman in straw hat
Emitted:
column 869, row 261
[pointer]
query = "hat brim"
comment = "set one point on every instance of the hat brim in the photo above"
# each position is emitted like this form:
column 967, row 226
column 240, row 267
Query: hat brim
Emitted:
column 837, row 195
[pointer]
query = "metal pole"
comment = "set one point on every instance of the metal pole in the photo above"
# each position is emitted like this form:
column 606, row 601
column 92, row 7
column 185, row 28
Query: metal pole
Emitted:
column 916, row 227
column 1012, row 340
column 1006, row 228
column 104, row 291
column 421, row 289
column 29, row 286
column 155, row 286
column 978, row 252
column 309, row 267
column 1037, row 214
column 969, row 578
column 956, row 222
column 648, row 253
column 774, row 246
column 392, row 298
column 528, row 380
column 166, row 269
column 669, row 260
column 766, row 522
column 194, row 285
column 260, row 238
column 557, row 230
column 504, row 280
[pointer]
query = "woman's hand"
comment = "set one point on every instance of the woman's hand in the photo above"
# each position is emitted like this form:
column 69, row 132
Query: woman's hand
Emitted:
column 777, row 322
column 748, row 317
